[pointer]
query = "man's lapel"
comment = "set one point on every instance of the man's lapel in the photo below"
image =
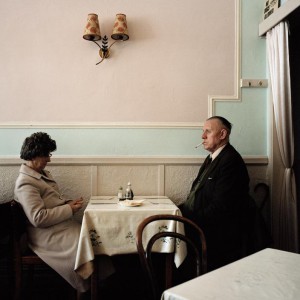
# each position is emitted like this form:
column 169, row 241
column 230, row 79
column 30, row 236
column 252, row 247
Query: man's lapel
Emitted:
column 206, row 172
column 209, row 172
column 201, row 171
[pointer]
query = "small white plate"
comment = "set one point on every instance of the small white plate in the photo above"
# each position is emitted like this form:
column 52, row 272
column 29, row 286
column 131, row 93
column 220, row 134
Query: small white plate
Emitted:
column 132, row 203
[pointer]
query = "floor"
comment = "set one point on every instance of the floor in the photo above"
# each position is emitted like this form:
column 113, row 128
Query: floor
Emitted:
column 127, row 283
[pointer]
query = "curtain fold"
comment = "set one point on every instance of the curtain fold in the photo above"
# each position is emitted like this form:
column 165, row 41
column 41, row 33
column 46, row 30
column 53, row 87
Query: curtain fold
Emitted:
column 285, row 219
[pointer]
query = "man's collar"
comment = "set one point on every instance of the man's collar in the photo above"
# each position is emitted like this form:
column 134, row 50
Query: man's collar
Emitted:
column 217, row 152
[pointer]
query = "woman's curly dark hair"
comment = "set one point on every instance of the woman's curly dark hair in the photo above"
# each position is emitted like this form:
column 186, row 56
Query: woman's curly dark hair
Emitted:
column 38, row 144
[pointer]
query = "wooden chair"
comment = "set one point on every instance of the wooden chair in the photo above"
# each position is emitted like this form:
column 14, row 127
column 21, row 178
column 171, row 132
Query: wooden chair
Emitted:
column 6, row 271
column 22, row 256
column 257, row 234
column 262, row 193
column 196, row 245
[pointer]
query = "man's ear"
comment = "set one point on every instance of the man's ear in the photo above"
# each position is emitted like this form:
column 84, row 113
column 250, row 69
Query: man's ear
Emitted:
column 224, row 134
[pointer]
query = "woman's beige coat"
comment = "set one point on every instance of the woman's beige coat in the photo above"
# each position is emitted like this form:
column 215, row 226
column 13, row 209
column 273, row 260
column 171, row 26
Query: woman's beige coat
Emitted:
column 53, row 234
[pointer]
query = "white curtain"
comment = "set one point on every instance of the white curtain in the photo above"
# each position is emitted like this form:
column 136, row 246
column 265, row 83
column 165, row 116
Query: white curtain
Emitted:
column 285, row 222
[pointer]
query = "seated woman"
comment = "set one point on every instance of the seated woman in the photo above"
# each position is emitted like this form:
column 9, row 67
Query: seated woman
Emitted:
column 52, row 232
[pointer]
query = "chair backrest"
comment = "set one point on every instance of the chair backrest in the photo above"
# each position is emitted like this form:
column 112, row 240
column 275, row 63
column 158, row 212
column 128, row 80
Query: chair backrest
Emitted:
column 18, row 231
column 196, row 245
column 262, row 193
column 22, row 254
column 5, row 219
column 19, row 221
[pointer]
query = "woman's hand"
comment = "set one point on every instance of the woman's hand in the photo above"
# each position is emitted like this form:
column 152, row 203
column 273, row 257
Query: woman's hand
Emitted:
column 76, row 204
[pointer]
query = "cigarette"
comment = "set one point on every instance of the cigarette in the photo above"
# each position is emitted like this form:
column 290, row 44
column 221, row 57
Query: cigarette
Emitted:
column 197, row 146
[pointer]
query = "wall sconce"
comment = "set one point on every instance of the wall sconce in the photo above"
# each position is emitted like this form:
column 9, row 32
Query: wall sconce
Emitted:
column 92, row 33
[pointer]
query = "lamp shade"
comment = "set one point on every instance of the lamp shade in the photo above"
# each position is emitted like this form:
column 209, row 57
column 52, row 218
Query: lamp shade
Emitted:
column 92, row 29
column 120, row 31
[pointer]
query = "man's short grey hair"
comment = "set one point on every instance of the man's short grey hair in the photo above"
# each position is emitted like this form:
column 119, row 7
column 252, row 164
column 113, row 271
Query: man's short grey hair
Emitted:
column 223, row 121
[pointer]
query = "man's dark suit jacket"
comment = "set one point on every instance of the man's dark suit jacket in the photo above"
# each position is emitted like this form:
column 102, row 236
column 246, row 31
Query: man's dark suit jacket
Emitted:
column 219, row 205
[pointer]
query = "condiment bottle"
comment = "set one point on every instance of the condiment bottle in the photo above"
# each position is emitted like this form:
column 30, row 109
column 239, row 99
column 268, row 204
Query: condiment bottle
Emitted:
column 129, row 193
column 120, row 193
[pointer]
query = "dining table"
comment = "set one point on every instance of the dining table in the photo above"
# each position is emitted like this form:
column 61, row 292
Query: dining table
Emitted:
column 109, row 227
column 267, row 274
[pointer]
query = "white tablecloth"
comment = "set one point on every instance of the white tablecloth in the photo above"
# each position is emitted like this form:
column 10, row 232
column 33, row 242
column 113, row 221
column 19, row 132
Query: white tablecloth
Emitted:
column 110, row 229
column 265, row 275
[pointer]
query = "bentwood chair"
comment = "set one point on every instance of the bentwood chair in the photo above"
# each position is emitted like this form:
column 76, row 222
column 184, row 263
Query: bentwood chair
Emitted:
column 196, row 245
column 23, row 257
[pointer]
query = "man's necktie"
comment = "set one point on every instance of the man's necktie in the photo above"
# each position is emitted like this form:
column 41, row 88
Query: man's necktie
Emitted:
column 207, row 163
column 189, row 203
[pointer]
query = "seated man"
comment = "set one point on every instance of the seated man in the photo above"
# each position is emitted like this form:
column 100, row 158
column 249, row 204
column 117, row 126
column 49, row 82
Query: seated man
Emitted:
column 219, row 195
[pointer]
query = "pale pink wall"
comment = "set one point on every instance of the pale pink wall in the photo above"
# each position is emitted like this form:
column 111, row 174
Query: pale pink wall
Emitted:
column 179, row 53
